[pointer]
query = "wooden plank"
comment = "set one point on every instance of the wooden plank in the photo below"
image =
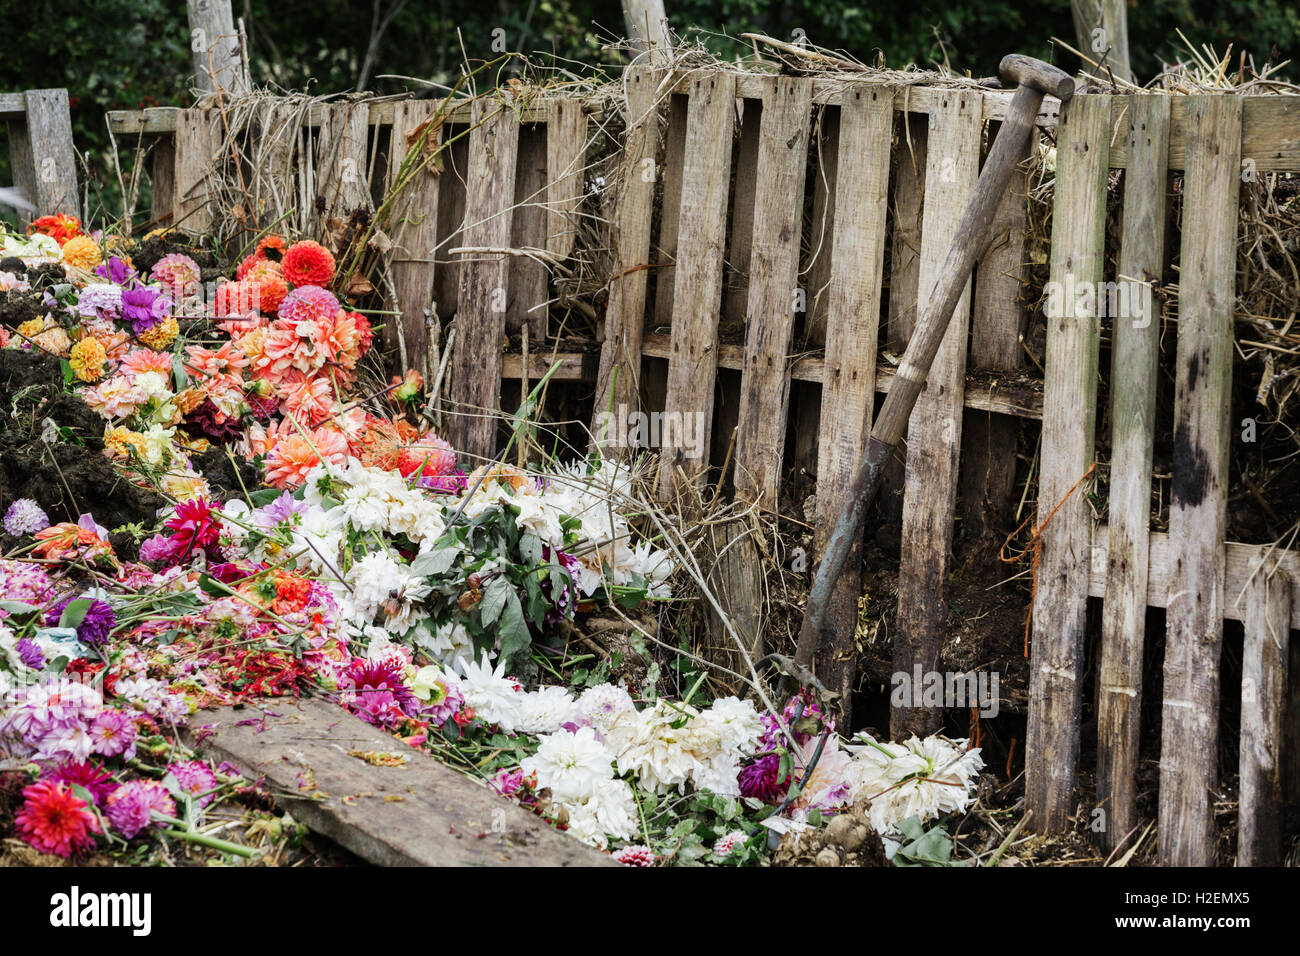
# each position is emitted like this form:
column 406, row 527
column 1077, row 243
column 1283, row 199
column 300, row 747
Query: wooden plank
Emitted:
column 414, row 232
column 1198, row 496
column 908, row 178
column 13, row 106
column 198, row 140
column 342, row 182
column 697, row 289
column 272, row 147
column 529, row 279
column 853, row 306
column 1270, row 132
column 618, row 382
column 162, row 181
column 1135, row 357
column 735, row 294
column 988, row 474
column 484, row 280
column 1291, row 729
column 451, row 220
column 214, row 45
column 566, row 150
column 670, row 210
column 934, row 428
column 821, row 239
column 1263, row 707
column 42, row 157
column 1069, row 422
column 418, row 813
column 774, row 267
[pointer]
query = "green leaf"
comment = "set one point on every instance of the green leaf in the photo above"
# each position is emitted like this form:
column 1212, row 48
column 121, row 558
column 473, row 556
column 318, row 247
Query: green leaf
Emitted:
column 437, row 561
column 530, row 548
column 515, row 636
column 264, row 496
column 75, row 612
column 17, row 608
column 494, row 600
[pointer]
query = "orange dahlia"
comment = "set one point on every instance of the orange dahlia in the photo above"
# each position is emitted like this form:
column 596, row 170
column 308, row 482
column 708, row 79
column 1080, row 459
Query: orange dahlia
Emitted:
column 87, row 359
column 308, row 263
column 162, row 334
column 82, row 252
column 60, row 227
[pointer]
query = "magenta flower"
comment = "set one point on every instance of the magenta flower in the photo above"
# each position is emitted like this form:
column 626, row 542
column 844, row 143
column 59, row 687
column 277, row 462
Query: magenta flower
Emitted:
column 195, row 778
column 130, row 807
column 81, row 773
column 114, row 733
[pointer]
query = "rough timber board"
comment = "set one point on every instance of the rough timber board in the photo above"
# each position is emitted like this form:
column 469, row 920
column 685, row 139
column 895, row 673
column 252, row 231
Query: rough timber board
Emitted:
column 418, row 814
column 1069, row 421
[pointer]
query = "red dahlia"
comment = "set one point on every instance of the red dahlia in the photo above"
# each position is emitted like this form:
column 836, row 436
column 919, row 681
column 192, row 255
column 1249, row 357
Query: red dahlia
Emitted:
column 308, row 263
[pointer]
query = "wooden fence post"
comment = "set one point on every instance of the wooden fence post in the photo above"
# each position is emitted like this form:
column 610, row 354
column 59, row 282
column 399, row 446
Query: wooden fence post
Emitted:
column 1069, row 421
column 1134, row 365
column 215, row 47
column 1264, row 681
column 43, row 159
column 1189, row 754
column 934, row 428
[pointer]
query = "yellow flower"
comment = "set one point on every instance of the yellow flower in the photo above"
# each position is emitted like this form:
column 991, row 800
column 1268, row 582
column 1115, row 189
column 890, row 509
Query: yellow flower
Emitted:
column 162, row 334
column 182, row 487
column 160, row 233
column 87, row 358
column 31, row 328
column 82, row 252
column 118, row 439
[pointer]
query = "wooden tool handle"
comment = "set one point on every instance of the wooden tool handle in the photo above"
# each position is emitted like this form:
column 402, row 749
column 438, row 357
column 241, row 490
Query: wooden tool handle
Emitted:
column 1017, row 69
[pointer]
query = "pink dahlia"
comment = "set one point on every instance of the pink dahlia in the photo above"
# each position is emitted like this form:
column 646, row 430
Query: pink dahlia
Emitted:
column 195, row 778
column 130, row 806
column 309, row 303
column 54, row 820
column 98, row 782
column 178, row 273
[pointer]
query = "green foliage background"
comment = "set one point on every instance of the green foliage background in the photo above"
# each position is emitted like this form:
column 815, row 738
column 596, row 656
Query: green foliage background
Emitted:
column 126, row 54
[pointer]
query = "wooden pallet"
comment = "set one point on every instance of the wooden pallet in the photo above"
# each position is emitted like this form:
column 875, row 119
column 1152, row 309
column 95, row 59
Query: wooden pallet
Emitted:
column 41, row 154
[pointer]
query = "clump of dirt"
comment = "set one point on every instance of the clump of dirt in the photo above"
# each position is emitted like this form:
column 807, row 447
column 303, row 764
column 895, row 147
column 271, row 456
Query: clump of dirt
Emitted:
column 69, row 475
column 847, row 840
column 155, row 247
column 19, row 307
column 219, row 469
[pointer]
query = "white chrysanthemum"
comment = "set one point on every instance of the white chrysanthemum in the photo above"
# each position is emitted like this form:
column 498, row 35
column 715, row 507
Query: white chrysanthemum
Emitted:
column 736, row 721
column 380, row 583
column 655, row 744
column 920, row 778
column 489, row 693
column 601, row 705
column 609, row 812
column 571, row 765
column 317, row 542
column 446, row 642
column 546, row 710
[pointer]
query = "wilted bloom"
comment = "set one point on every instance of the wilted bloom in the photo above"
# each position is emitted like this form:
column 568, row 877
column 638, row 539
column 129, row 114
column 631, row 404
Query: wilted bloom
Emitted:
column 94, row 627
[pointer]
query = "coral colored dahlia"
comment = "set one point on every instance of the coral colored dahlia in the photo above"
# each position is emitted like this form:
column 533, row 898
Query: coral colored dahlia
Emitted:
column 308, row 263
column 54, row 820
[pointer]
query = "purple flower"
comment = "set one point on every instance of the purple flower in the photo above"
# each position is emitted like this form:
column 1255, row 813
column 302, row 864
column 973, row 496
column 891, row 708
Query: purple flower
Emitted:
column 82, row 773
column 759, row 779
column 20, row 581
column 195, row 778
column 145, row 307
column 100, row 300
column 114, row 733
column 25, row 516
column 452, row 483
column 94, row 627
column 160, row 548
column 130, row 806
column 87, row 523
column 30, row 653
column 115, row 271
column 279, row 510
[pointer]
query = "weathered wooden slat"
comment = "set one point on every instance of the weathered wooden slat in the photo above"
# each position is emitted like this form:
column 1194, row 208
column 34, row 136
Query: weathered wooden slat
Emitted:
column 12, row 106
column 853, row 306
column 697, row 289
column 934, row 428
column 311, row 753
column 162, row 181
column 214, row 46
column 774, row 270
column 566, row 149
column 341, row 181
column 821, row 239
column 618, row 382
column 528, row 277
column 1069, row 423
column 1134, row 359
column 451, row 220
column 42, row 157
column 272, row 150
column 1263, row 708
column 414, row 232
column 198, row 139
column 1199, row 493
column 988, row 473
column 670, row 209
column 735, row 294
column 484, row 292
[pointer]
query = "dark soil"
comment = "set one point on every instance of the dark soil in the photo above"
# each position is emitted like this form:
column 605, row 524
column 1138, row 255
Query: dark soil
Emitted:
column 68, row 477
column 151, row 250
